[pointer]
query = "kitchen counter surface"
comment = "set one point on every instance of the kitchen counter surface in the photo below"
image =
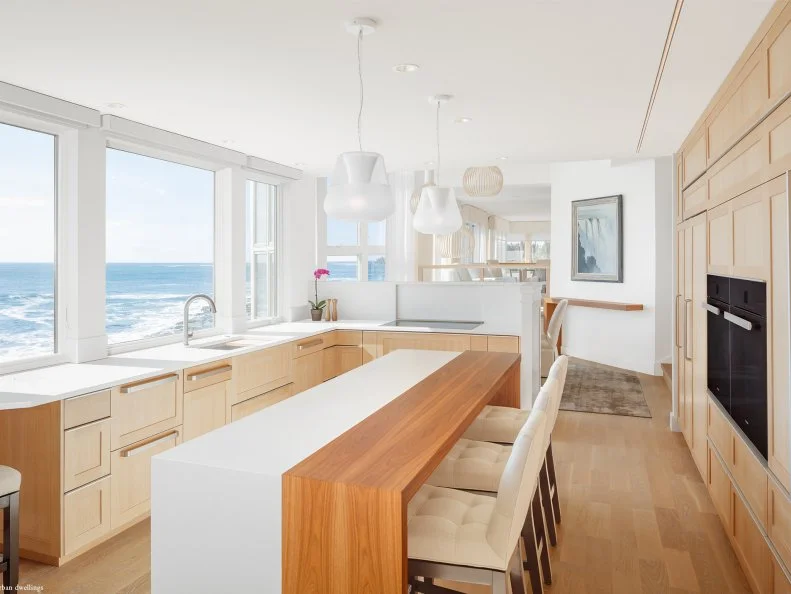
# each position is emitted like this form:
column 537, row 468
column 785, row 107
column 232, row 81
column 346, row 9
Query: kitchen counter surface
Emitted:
column 48, row 384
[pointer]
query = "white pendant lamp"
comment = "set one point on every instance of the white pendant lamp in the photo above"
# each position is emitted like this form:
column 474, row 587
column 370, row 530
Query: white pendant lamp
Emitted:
column 358, row 188
column 437, row 211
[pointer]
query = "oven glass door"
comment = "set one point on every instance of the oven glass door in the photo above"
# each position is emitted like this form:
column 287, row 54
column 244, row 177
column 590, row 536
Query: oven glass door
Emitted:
column 718, row 352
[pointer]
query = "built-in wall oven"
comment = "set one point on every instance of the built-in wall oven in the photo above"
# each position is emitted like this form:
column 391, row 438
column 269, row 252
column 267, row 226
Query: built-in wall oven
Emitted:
column 737, row 352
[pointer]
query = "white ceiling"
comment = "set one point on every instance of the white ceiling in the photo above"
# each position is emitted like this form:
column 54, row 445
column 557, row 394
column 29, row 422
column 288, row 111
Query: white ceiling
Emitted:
column 515, row 203
column 542, row 80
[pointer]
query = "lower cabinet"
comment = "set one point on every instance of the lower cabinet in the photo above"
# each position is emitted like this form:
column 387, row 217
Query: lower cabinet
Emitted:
column 205, row 409
column 719, row 487
column 86, row 454
column 308, row 371
column 131, row 476
column 339, row 359
column 86, row 514
column 252, row 405
column 392, row 341
column 751, row 547
column 779, row 524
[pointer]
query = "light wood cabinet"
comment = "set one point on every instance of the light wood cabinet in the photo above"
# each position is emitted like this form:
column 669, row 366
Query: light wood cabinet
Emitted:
column 776, row 129
column 86, row 454
column 348, row 338
column 479, row 342
column 393, row 341
column 695, row 198
column 308, row 371
column 255, row 373
column 314, row 344
column 741, row 169
column 719, row 485
column 719, row 430
column 370, row 348
column 779, row 329
column 86, row 515
column 750, row 475
column 205, row 409
column 694, row 159
column 781, row 583
column 209, row 374
column 348, row 358
column 260, row 402
column 740, row 236
column 778, row 52
column 751, row 548
column 779, row 524
column 145, row 408
column 131, row 476
column 502, row 344
column 86, row 408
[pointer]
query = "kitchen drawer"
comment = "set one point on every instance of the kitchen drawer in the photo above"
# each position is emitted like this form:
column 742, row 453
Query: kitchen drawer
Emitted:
column 86, row 454
column 779, row 524
column 751, row 547
column 145, row 408
column 750, row 476
column 261, row 371
column 201, row 376
column 503, row 344
column 429, row 341
column 205, row 409
column 720, row 432
column 348, row 338
column 307, row 346
column 719, row 485
column 86, row 514
column 131, row 474
column 85, row 409
column 260, row 402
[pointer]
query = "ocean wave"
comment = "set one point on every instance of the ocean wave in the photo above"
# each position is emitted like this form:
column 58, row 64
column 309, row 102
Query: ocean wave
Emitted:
column 147, row 296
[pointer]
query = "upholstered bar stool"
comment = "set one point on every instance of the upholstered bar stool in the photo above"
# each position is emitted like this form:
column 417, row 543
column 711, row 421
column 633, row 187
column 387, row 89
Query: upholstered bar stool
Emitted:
column 10, row 481
column 466, row 537
column 499, row 424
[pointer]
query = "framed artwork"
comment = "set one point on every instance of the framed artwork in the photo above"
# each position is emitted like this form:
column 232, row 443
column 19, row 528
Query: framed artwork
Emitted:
column 597, row 239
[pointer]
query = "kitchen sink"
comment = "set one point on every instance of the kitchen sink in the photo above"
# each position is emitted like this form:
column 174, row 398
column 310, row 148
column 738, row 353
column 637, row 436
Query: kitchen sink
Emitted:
column 435, row 324
column 231, row 344
column 225, row 346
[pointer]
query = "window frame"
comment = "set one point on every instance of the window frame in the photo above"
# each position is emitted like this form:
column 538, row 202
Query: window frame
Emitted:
column 116, row 142
column 362, row 251
column 278, row 248
column 62, row 206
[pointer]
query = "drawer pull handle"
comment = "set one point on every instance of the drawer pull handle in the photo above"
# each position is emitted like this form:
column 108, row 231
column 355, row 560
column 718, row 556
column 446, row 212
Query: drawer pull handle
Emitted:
column 310, row 343
column 208, row 373
column 147, row 446
column 146, row 385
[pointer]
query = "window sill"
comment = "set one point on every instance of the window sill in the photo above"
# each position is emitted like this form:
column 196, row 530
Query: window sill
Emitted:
column 31, row 363
column 149, row 343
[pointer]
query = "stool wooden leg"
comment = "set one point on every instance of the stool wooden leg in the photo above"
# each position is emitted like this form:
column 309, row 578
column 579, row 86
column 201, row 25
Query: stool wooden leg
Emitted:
column 553, row 483
column 546, row 502
column 531, row 562
column 541, row 537
column 11, row 541
column 517, row 573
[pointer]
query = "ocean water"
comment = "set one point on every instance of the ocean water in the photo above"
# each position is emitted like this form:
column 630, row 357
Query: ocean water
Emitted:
column 143, row 301
column 340, row 271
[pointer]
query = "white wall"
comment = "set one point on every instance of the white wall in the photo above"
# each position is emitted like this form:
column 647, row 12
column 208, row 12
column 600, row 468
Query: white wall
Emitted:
column 665, row 182
column 299, row 246
column 623, row 339
column 531, row 230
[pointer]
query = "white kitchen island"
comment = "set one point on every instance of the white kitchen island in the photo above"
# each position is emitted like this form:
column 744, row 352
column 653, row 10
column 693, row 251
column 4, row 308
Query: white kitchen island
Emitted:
column 216, row 501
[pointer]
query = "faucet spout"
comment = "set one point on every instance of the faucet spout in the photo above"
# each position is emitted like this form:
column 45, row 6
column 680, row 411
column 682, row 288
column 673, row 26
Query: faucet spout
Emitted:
column 187, row 304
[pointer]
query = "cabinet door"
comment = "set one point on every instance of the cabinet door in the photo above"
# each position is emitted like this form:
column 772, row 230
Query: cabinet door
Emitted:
column 696, row 197
column 779, row 525
column 750, row 476
column 393, row 341
column 145, row 408
column 698, row 344
column 86, row 514
column 261, row 371
column 720, row 240
column 260, row 402
column 779, row 328
column 329, row 363
column 86, row 454
column 204, row 409
column 695, row 157
column 679, row 334
column 782, row 584
column 308, row 371
column 751, row 234
column 751, row 548
column 131, row 476
column 503, row 344
column 370, row 346
column 689, row 337
column 719, row 487
column 778, row 51
column 348, row 358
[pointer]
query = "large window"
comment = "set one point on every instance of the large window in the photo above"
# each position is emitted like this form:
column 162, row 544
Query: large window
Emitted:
column 539, row 250
column 160, row 246
column 261, row 275
column 27, row 243
column 356, row 251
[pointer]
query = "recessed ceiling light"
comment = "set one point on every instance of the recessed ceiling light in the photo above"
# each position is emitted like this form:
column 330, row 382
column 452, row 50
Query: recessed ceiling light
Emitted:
column 428, row 163
column 227, row 142
column 115, row 105
column 463, row 120
column 503, row 158
column 405, row 68
column 300, row 165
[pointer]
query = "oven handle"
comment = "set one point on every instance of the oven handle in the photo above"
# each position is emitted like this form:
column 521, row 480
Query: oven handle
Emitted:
column 711, row 309
column 741, row 322
column 686, row 329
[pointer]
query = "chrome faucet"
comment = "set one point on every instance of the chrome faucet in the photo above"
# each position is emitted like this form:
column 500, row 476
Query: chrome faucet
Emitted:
column 187, row 303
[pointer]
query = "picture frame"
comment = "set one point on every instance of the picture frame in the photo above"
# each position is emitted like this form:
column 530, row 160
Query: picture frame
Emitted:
column 597, row 239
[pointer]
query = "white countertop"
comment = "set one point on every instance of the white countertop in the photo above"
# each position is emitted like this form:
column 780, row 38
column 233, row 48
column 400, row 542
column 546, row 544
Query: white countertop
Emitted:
column 225, row 487
column 48, row 384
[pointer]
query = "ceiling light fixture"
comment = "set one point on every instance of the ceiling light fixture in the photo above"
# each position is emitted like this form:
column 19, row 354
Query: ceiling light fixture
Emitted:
column 115, row 105
column 482, row 182
column 358, row 188
column 503, row 158
column 300, row 165
column 464, row 120
column 406, row 68
column 437, row 211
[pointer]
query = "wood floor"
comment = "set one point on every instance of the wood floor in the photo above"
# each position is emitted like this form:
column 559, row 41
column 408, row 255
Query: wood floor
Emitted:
column 637, row 518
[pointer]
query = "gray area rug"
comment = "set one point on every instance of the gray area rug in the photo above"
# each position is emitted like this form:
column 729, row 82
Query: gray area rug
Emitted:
column 595, row 388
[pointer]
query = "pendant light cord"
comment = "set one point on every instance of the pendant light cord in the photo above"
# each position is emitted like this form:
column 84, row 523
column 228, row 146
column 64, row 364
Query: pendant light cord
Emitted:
column 438, row 161
column 362, row 91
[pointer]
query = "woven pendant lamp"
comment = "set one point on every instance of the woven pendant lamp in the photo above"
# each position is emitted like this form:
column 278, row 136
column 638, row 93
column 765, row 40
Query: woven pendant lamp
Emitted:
column 458, row 245
column 482, row 182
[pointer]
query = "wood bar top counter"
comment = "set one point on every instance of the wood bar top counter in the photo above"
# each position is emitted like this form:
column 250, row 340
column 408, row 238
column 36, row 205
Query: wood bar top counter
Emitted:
column 344, row 507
